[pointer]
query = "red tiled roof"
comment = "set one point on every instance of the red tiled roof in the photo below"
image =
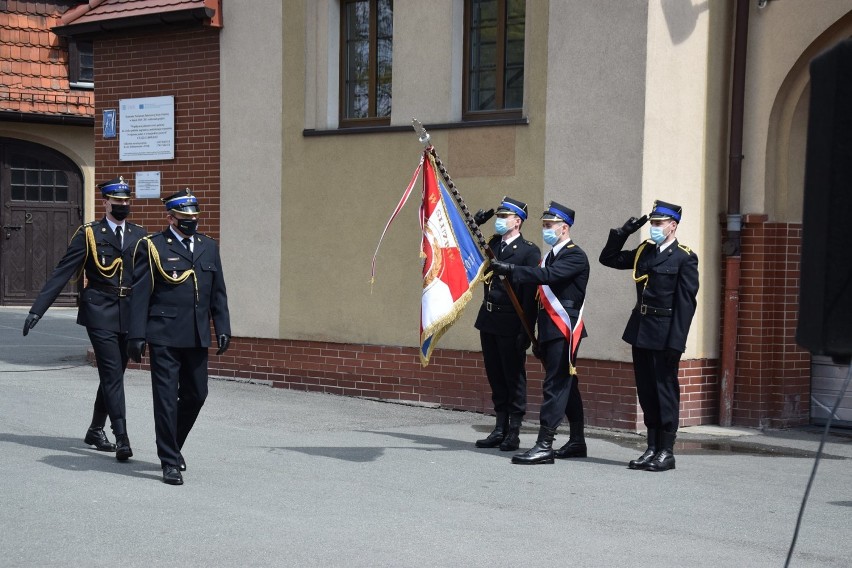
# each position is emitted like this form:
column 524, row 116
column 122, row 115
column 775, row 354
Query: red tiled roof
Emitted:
column 34, row 62
column 106, row 10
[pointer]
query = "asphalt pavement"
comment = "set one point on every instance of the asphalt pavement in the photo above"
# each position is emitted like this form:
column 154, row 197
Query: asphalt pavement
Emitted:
column 287, row 478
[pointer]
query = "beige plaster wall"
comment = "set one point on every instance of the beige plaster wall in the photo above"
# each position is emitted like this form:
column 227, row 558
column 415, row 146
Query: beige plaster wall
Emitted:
column 75, row 142
column 341, row 188
column 676, row 134
column 251, row 152
column 778, row 35
column 594, row 145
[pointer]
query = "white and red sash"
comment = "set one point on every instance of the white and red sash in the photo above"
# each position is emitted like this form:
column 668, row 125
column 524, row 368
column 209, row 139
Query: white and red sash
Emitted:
column 562, row 321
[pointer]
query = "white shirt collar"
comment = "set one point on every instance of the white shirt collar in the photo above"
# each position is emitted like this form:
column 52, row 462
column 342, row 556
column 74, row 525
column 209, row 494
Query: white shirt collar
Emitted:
column 559, row 246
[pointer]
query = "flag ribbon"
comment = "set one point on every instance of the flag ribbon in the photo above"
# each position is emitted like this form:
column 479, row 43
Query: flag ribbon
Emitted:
column 403, row 200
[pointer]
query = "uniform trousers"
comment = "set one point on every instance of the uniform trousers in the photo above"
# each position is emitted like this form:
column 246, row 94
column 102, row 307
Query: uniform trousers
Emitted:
column 505, row 368
column 179, row 387
column 560, row 391
column 110, row 349
column 658, row 388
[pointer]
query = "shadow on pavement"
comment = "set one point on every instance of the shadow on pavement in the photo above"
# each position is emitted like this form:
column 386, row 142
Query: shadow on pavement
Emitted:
column 82, row 458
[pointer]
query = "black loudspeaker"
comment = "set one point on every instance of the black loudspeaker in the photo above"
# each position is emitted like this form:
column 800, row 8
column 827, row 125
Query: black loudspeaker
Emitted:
column 825, row 301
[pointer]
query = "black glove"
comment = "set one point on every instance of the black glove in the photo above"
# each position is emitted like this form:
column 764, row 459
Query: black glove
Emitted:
column 481, row 217
column 522, row 342
column 672, row 356
column 136, row 349
column 632, row 225
column 503, row 268
column 224, row 341
column 32, row 320
column 537, row 351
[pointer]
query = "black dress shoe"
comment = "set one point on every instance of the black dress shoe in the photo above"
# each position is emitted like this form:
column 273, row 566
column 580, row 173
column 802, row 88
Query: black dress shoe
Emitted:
column 642, row 461
column 97, row 437
column 663, row 461
column 171, row 475
column 181, row 463
column 571, row 450
column 122, row 448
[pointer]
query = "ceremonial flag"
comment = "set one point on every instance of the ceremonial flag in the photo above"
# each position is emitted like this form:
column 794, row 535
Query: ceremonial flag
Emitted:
column 453, row 263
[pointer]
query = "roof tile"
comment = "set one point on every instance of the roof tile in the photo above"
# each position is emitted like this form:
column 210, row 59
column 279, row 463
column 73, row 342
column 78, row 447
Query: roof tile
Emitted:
column 34, row 62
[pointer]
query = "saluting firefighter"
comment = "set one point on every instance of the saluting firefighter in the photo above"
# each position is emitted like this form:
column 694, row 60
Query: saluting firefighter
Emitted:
column 562, row 278
column 666, row 277
column 178, row 286
column 103, row 251
column 501, row 333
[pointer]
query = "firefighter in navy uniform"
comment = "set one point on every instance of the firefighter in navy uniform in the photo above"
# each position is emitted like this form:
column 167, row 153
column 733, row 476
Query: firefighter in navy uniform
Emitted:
column 501, row 333
column 565, row 273
column 666, row 277
column 178, row 286
column 103, row 250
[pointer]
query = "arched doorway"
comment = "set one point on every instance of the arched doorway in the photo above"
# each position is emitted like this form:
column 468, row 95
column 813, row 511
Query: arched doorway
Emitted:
column 42, row 195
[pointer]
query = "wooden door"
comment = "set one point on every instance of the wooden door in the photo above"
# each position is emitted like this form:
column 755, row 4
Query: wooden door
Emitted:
column 41, row 193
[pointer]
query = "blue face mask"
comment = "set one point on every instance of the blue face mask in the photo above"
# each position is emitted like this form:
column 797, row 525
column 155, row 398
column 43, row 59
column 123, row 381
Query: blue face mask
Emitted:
column 658, row 235
column 550, row 236
column 501, row 225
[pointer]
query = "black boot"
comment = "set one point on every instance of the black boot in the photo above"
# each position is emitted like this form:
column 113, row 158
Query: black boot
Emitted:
column 122, row 442
column 664, row 460
column 542, row 452
column 642, row 461
column 512, row 441
column 495, row 438
column 95, row 435
column 576, row 445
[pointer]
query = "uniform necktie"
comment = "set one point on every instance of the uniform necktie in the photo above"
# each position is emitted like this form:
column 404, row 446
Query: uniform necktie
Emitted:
column 118, row 236
column 502, row 247
column 549, row 259
column 186, row 242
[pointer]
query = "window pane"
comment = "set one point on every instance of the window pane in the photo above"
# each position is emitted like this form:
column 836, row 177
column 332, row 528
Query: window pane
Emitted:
column 513, row 86
column 368, row 58
column 61, row 178
column 17, row 176
column 61, row 194
column 47, row 194
column 32, row 193
column 18, row 192
column 32, row 177
column 86, row 61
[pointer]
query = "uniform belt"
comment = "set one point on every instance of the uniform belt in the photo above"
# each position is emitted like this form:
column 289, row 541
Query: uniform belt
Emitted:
column 120, row 291
column 647, row 310
column 491, row 307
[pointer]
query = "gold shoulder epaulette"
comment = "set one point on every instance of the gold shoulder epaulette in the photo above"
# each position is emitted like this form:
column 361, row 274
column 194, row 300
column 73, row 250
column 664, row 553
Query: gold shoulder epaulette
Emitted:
column 529, row 242
column 572, row 245
column 684, row 248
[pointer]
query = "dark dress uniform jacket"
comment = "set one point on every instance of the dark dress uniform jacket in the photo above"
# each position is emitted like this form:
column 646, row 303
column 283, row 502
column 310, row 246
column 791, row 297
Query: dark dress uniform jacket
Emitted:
column 567, row 274
column 167, row 313
column 503, row 319
column 101, row 305
column 672, row 286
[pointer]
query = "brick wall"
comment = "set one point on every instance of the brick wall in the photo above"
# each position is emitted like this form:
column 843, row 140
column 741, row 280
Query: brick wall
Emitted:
column 183, row 63
column 454, row 379
column 772, row 384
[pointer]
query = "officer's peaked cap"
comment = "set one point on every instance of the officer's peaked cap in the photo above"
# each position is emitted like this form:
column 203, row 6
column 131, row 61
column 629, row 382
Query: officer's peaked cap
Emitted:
column 663, row 210
column 116, row 188
column 558, row 212
column 182, row 202
column 513, row 206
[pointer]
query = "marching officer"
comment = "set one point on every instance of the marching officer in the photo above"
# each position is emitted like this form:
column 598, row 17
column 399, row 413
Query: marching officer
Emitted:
column 562, row 280
column 103, row 250
column 178, row 286
column 666, row 277
column 501, row 333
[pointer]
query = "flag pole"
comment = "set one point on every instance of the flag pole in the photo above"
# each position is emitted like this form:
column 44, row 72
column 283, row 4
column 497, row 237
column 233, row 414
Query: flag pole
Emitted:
column 425, row 139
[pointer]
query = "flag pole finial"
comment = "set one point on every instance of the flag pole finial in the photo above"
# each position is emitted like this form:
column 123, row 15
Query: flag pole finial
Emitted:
column 422, row 135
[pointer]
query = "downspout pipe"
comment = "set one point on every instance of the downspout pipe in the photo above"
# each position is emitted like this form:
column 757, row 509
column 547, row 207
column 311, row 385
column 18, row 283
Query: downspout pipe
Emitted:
column 732, row 246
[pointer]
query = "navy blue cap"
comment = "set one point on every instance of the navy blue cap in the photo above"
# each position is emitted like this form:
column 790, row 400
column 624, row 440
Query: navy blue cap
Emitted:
column 558, row 212
column 663, row 210
column 513, row 206
column 182, row 202
column 116, row 188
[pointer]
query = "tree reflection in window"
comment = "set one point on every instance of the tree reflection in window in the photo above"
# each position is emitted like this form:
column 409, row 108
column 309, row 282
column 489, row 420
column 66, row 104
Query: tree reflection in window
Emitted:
column 366, row 61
